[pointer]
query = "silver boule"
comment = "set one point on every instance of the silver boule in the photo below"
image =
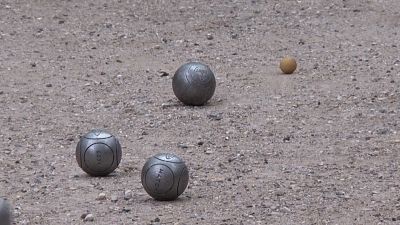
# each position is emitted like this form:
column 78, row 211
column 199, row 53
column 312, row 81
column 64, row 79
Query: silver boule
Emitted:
column 194, row 83
column 165, row 176
column 98, row 153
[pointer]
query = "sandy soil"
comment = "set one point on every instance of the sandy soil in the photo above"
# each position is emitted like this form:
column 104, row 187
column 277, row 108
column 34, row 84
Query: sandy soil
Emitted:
column 320, row 146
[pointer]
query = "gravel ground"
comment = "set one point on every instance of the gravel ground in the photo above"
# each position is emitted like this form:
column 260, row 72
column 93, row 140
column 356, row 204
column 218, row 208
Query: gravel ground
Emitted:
column 320, row 146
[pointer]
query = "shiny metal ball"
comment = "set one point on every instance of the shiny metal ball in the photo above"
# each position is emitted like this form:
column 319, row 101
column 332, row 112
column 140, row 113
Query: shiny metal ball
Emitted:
column 5, row 212
column 194, row 83
column 165, row 176
column 98, row 153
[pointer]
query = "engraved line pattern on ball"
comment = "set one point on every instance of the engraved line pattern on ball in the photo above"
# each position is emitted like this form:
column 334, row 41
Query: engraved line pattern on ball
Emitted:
column 164, row 176
column 99, row 156
column 98, row 153
column 158, row 178
column 196, row 76
column 169, row 157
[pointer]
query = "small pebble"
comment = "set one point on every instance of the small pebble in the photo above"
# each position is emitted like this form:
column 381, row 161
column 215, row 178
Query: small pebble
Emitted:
column 163, row 73
column 285, row 209
column 181, row 145
column 89, row 217
column 210, row 37
column 166, row 105
column 215, row 116
column 286, row 138
column 114, row 198
column 383, row 131
column 340, row 193
column 208, row 152
column 128, row 194
column 126, row 210
column 102, row 196
column 83, row 216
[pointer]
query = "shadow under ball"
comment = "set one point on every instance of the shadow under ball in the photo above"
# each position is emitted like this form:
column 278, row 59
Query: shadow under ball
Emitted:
column 165, row 176
column 194, row 83
column 98, row 153
column 5, row 212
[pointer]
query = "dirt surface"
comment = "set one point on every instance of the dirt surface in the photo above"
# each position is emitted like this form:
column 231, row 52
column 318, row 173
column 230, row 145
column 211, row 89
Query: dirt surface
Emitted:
column 320, row 146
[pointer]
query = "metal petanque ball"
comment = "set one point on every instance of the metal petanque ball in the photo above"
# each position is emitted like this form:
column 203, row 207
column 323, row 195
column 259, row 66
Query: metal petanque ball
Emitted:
column 194, row 83
column 5, row 212
column 165, row 176
column 98, row 153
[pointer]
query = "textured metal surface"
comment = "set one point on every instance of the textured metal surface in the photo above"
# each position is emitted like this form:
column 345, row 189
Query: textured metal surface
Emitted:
column 98, row 153
column 165, row 176
column 194, row 83
column 168, row 157
column 97, row 134
column 5, row 212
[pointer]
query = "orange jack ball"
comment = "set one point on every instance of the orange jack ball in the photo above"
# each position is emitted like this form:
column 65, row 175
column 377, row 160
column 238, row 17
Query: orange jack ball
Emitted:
column 288, row 65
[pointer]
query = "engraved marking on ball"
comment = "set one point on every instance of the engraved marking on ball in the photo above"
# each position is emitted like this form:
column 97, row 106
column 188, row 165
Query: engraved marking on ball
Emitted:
column 99, row 160
column 98, row 157
column 98, row 152
column 164, row 176
column 169, row 156
column 159, row 179
column 201, row 74
column 197, row 76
